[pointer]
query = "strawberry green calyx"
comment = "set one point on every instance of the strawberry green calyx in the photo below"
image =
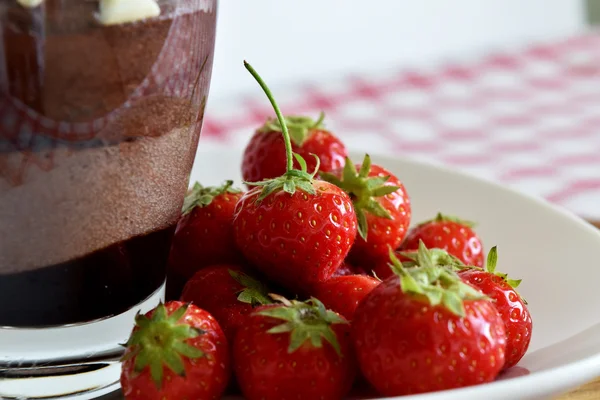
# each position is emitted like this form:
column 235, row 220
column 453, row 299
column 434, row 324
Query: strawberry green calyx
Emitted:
column 160, row 341
column 363, row 191
column 254, row 292
column 435, row 256
column 200, row 196
column 305, row 321
column 448, row 218
column 289, row 181
column 437, row 284
column 292, row 179
column 299, row 127
column 492, row 260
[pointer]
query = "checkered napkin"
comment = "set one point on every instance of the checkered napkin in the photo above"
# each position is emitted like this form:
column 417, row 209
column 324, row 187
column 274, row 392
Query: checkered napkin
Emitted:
column 529, row 119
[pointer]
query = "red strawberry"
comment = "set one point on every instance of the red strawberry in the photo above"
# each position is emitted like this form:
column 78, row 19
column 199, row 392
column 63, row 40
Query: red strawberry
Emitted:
column 512, row 308
column 176, row 351
column 295, row 229
column 227, row 293
column 204, row 233
column 425, row 330
column 265, row 154
column 448, row 233
column 343, row 293
column 382, row 208
column 295, row 350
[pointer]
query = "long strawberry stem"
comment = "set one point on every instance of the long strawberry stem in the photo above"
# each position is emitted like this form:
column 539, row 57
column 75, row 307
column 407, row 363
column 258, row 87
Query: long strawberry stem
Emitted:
column 284, row 129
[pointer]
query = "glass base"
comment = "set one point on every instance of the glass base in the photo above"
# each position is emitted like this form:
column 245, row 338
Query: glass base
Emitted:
column 70, row 362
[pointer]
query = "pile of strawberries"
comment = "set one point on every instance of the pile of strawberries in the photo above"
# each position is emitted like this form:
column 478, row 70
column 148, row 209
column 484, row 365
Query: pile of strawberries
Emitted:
column 310, row 285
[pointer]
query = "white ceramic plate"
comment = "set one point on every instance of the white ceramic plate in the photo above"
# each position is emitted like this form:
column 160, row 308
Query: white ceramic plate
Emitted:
column 553, row 252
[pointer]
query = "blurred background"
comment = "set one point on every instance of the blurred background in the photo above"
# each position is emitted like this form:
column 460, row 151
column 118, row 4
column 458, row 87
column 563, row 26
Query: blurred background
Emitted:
column 296, row 40
column 507, row 90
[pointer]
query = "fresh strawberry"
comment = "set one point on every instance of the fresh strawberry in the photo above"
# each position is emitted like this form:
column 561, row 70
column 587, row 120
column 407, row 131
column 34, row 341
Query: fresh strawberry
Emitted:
column 265, row 154
column 295, row 229
column 176, row 351
column 382, row 208
column 226, row 292
column 295, row 350
column 511, row 306
column 204, row 233
column 343, row 293
column 425, row 330
column 455, row 236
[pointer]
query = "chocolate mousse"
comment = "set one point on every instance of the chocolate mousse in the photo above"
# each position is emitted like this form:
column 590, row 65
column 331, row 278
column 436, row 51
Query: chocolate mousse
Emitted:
column 99, row 121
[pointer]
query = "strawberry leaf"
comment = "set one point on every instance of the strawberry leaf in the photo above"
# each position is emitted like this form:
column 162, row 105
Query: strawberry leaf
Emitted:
column 384, row 190
column 200, row 196
column 424, row 256
column 299, row 127
column 160, row 313
column 375, row 208
column 156, row 372
column 141, row 320
column 329, row 177
column 376, row 181
column 492, row 260
column 365, row 167
column 306, row 187
column 434, row 256
column 290, row 181
column 287, row 327
column 453, row 302
column 173, row 361
column 437, row 284
column 254, row 292
column 306, row 322
column 289, row 187
column 361, row 218
column 363, row 191
column 331, row 338
column 448, row 218
column 161, row 342
column 514, row 283
column 301, row 161
column 188, row 351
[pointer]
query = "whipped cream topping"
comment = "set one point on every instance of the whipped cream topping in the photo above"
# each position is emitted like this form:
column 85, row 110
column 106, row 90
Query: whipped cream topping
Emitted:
column 114, row 12
column 30, row 3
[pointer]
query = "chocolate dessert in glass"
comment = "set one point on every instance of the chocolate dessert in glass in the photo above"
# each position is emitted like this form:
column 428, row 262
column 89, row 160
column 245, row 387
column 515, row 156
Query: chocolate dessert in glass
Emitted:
column 101, row 106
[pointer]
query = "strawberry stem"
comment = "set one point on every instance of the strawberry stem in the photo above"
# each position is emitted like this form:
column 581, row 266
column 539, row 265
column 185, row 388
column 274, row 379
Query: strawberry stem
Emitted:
column 284, row 128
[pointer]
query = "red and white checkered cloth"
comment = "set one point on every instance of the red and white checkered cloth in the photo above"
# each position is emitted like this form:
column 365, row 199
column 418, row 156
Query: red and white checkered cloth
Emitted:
column 529, row 118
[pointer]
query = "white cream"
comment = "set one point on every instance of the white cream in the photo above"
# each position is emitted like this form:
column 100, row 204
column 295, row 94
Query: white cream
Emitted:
column 114, row 12
column 30, row 3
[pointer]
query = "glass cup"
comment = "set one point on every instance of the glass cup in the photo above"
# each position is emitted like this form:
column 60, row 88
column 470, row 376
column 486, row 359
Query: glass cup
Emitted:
column 101, row 106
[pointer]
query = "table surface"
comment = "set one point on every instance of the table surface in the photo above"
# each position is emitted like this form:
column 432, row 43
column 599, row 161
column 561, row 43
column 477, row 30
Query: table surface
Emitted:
column 590, row 391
